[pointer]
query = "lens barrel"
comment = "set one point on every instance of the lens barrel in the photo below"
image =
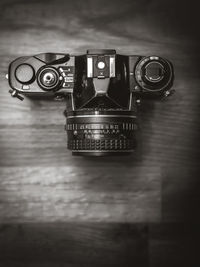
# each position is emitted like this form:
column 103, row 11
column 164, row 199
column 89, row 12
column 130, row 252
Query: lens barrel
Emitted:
column 101, row 132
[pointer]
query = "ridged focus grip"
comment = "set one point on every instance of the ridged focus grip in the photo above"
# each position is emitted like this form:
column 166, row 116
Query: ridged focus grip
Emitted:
column 101, row 132
column 102, row 145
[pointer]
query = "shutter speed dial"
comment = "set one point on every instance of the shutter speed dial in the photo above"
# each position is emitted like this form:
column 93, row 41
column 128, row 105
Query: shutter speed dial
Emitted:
column 48, row 78
column 153, row 73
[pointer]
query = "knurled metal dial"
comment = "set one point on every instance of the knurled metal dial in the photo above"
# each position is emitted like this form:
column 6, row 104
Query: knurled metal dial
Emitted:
column 153, row 73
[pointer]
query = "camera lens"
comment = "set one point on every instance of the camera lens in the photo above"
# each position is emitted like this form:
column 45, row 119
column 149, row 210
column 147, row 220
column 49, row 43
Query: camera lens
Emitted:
column 48, row 78
column 101, row 132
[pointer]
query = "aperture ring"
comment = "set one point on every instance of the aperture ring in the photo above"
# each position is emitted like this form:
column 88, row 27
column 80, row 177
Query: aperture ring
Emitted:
column 102, row 133
column 103, row 126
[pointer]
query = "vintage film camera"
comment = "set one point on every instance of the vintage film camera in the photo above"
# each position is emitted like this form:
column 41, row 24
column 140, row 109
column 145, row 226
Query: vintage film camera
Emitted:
column 101, row 89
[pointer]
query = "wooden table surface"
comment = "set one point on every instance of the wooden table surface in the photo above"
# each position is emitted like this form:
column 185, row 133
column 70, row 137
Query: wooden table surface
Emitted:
column 61, row 210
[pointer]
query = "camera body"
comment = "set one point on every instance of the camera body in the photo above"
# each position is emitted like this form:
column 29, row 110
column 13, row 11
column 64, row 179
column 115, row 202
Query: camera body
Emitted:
column 100, row 89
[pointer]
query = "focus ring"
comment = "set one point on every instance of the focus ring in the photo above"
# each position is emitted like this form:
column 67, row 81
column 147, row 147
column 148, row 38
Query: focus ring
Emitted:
column 102, row 133
column 101, row 145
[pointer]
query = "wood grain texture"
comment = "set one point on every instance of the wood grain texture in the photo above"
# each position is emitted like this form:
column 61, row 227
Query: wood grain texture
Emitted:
column 74, row 244
column 60, row 210
column 174, row 244
column 71, row 194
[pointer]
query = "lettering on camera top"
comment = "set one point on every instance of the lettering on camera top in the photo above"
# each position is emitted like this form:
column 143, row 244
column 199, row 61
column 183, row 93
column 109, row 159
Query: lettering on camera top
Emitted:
column 67, row 72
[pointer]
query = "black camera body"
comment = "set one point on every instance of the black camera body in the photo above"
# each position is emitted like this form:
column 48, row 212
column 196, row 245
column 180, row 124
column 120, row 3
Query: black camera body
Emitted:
column 101, row 89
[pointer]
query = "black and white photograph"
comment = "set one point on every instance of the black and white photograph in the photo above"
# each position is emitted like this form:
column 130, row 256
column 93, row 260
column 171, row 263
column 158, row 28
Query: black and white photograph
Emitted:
column 99, row 133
